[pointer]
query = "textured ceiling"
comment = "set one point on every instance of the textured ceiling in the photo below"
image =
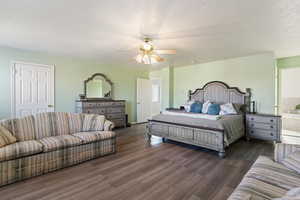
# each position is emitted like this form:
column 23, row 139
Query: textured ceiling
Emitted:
column 110, row 31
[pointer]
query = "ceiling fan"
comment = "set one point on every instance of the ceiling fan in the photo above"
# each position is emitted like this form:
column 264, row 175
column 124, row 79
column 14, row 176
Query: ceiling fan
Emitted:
column 149, row 55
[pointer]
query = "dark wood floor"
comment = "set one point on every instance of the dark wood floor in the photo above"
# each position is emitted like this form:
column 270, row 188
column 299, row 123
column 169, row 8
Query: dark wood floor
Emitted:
column 141, row 171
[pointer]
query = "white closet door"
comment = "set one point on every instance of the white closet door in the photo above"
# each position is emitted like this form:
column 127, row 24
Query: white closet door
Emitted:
column 33, row 89
column 143, row 100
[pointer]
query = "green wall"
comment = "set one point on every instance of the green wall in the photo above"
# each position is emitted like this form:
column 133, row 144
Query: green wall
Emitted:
column 288, row 62
column 256, row 72
column 70, row 72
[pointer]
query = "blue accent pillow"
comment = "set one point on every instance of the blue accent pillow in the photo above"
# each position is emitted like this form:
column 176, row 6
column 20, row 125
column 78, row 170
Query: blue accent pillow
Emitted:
column 196, row 107
column 214, row 109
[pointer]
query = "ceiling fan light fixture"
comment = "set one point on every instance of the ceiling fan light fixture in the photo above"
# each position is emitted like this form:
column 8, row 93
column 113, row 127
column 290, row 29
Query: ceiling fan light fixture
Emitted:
column 148, row 59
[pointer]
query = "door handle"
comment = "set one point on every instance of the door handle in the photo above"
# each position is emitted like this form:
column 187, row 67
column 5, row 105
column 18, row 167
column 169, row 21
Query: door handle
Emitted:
column 50, row 106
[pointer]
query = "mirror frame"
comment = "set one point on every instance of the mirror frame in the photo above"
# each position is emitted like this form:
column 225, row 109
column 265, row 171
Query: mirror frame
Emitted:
column 90, row 79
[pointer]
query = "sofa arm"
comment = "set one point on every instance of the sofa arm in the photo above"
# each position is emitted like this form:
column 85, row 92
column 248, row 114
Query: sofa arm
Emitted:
column 283, row 150
column 108, row 125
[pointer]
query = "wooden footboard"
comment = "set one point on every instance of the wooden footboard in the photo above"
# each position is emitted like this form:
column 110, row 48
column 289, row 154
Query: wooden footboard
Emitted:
column 199, row 136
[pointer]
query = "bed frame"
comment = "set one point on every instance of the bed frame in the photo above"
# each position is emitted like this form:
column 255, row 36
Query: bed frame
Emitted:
column 215, row 91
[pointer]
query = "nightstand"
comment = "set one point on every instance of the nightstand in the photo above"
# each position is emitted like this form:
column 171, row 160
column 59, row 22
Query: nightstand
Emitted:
column 263, row 126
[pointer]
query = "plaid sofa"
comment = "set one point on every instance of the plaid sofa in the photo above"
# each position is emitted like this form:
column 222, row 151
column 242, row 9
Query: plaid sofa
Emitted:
column 267, row 178
column 50, row 141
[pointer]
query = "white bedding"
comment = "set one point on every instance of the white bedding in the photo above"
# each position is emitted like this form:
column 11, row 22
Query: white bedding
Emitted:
column 193, row 115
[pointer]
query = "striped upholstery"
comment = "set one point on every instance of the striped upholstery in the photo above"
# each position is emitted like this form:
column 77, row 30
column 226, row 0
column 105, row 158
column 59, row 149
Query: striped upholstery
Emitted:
column 293, row 161
column 24, row 128
column 7, row 124
column 88, row 122
column 75, row 122
column 108, row 125
column 62, row 123
column 20, row 149
column 38, row 164
column 283, row 150
column 44, row 125
column 59, row 142
column 268, row 179
column 98, row 124
column 88, row 137
column 54, row 147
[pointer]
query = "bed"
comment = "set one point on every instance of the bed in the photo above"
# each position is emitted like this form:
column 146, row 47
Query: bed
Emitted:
column 211, row 132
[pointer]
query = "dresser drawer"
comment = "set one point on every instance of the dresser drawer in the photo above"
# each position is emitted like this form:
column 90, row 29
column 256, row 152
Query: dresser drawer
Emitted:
column 264, row 126
column 115, row 110
column 115, row 116
column 89, row 104
column 262, row 119
column 263, row 134
column 100, row 111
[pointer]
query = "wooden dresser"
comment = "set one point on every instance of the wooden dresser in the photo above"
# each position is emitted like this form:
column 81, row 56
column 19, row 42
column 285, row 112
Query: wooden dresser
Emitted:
column 263, row 126
column 114, row 110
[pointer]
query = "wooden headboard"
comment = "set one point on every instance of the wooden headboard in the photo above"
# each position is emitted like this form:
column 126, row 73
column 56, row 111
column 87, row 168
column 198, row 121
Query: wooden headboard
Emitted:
column 220, row 92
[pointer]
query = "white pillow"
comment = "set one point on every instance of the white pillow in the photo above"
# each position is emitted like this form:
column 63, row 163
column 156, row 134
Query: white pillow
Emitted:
column 227, row 109
column 187, row 105
column 206, row 106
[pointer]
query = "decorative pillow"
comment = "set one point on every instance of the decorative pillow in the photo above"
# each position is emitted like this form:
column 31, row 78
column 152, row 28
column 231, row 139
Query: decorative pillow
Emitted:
column 205, row 107
column 292, row 194
column 6, row 137
column 187, row 106
column 227, row 109
column 98, row 124
column 213, row 109
column 196, row 107
column 292, row 161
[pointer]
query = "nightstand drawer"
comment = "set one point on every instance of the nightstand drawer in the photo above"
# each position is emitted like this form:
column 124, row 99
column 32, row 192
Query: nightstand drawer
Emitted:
column 262, row 119
column 262, row 134
column 256, row 125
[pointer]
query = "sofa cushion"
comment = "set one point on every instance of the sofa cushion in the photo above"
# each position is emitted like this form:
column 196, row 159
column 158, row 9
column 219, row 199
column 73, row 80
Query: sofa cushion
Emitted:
column 44, row 125
column 51, row 124
column 98, row 124
column 24, row 128
column 292, row 161
column 61, row 123
column 266, row 170
column 58, row 142
column 75, row 122
column 88, row 137
column 20, row 149
column 256, row 190
column 88, row 122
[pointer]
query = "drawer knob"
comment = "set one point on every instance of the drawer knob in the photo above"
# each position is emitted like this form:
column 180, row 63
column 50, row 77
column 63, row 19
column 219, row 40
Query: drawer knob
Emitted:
column 252, row 118
column 252, row 125
column 271, row 127
column 271, row 134
column 252, row 131
column 271, row 120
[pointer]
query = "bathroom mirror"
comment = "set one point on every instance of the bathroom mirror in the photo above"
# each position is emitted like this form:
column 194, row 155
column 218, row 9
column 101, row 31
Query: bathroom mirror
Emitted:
column 98, row 86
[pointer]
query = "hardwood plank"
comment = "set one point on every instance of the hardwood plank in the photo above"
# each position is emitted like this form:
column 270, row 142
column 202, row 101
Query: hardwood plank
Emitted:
column 143, row 171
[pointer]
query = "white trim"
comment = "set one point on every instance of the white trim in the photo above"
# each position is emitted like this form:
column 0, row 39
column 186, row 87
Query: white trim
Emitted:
column 12, row 83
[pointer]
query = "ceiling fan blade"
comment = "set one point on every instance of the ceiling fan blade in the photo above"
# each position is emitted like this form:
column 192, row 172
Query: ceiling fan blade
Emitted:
column 170, row 51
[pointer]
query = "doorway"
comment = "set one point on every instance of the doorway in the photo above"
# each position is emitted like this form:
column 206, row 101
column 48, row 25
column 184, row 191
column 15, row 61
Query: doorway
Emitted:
column 143, row 100
column 32, row 89
column 289, row 104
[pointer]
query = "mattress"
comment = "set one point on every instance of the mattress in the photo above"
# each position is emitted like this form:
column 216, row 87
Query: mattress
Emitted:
column 232, row 125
